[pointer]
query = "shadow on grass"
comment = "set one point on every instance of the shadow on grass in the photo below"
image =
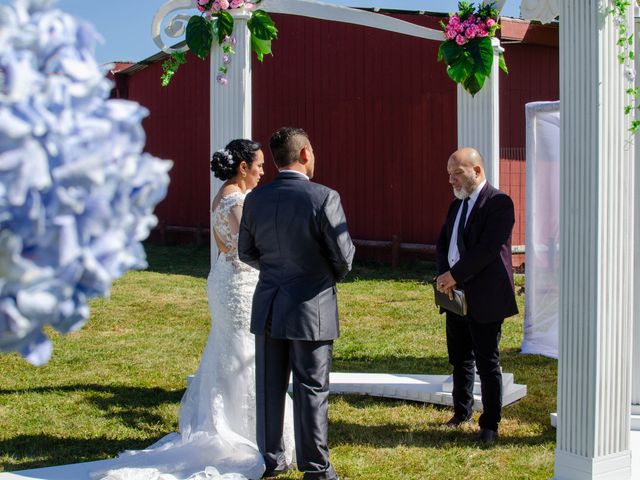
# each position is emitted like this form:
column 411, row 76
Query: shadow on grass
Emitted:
column 188, row 260
column 53, row 450
column 133, row 405
column 428, row 433
column 421, row 271
column 195, row 261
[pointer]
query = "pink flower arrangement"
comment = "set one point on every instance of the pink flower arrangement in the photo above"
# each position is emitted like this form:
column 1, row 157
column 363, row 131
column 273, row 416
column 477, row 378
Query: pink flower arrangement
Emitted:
column 463, row 26
column 467, row 49
column 212, row 6
column 215, row 24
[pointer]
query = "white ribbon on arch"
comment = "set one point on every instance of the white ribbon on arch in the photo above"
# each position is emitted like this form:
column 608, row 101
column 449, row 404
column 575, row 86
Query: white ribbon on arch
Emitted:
column 305, row 8
column 337, row 13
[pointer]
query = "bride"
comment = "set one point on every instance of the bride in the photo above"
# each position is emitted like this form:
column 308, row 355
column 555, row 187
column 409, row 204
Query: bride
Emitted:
column 217, row 417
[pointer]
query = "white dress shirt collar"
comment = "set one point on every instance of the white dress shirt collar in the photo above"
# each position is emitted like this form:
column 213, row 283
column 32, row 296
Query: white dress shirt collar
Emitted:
column 294, row 172
column 474, row 195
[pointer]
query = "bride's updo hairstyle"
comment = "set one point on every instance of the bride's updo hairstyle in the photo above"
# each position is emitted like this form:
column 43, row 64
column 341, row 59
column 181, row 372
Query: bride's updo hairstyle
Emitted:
column 225, row 162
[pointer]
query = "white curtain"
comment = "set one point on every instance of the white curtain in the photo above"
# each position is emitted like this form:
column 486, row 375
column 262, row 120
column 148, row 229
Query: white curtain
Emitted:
column 541, row 311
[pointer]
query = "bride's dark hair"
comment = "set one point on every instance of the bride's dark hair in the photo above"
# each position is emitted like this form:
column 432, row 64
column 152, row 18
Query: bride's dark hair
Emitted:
column 225, row 162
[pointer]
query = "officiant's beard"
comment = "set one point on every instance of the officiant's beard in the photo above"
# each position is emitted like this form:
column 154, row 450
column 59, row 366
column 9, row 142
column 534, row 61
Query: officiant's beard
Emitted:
column 465, row 190
column 460, row 194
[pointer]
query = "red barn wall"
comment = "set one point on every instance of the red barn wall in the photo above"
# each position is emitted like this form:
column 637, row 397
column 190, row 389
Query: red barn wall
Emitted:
column 380, row 112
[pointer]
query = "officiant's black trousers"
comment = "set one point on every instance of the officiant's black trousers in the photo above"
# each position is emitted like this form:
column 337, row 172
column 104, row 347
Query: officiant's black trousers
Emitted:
column 470, row 345
column 310, row 363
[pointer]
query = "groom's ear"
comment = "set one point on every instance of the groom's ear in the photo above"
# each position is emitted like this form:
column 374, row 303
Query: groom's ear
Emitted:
column 303, row 157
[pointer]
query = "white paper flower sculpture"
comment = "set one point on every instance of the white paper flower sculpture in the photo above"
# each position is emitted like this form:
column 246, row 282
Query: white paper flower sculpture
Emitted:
column 76, row 192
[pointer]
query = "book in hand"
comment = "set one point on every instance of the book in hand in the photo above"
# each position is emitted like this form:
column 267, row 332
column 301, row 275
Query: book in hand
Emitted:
column 458, row 305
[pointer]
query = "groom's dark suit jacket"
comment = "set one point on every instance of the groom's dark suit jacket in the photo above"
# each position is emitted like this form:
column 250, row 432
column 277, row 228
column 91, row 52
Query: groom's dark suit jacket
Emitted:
column 295, row 232
column 485, row 270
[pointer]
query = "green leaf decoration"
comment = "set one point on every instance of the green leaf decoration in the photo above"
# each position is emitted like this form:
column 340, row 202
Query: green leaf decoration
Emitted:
column 260, row 47
column 170, row 67
column 199, row 36
column 450, row 52
column 481, row 51
column 461, row 69
column 262, row 26
column 474, row 82
column 502, row 63
column 223, row 27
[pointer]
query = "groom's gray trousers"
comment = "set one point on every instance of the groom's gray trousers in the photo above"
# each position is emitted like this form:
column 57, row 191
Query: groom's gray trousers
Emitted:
column 310, row 363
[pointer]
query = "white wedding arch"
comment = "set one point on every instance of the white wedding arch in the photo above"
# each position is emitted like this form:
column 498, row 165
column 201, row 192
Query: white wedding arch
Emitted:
column 598, row 282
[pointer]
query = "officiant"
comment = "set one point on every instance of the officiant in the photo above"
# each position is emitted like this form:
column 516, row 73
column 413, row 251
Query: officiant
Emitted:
column 474, row 255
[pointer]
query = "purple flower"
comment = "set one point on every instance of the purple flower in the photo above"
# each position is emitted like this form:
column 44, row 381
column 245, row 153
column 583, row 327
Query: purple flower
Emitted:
column 221, row 79
column 226, row 59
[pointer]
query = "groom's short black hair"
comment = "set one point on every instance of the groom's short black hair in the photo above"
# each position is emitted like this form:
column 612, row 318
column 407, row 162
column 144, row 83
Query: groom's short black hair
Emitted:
column 285, row 145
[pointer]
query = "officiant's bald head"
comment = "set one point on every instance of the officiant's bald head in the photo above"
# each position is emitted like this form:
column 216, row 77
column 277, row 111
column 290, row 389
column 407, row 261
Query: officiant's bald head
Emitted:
column 466, row 171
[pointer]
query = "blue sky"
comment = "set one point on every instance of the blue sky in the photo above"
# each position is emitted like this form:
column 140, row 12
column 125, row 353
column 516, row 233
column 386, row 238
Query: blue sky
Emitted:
column 126, row 24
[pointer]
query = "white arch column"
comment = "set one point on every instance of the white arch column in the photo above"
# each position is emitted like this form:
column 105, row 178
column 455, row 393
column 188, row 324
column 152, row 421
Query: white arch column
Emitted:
column 596, row 208
column 635, row 372
column 479, row 120
column 231, row 104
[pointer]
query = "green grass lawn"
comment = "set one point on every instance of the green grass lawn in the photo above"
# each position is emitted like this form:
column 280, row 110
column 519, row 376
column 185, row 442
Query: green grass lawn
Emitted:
column 117, row 383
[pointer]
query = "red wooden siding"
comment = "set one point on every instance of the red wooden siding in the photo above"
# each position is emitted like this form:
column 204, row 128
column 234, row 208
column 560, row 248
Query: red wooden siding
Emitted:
column 178, row 128
column 513, row 182
column 380, row 112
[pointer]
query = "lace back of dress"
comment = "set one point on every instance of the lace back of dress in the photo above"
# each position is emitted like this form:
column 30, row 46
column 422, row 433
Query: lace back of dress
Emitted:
column 226, row 224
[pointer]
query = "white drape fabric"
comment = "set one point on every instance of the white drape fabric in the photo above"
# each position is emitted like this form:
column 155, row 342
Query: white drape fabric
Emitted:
column 543, row 10
column 541, row 311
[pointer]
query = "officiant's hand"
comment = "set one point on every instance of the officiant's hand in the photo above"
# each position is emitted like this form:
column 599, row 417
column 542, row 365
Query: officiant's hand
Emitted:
column 445, row 283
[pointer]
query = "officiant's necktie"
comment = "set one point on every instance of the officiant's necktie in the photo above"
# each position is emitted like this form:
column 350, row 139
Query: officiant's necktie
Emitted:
column 463, row 219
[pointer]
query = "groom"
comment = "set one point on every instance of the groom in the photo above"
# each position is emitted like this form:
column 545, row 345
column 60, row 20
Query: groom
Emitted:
column 295, row 232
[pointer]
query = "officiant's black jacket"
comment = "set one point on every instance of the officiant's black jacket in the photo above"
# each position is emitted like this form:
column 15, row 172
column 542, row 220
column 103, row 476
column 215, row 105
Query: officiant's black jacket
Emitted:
column 485, row 270
column 295, row 232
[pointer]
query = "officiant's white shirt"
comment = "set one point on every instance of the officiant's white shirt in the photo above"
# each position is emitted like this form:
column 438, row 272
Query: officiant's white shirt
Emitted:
column 454, row 254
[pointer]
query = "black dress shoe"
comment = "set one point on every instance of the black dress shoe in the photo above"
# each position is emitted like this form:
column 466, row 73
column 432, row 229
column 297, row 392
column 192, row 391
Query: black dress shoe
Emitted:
column 457, row 421
column 276, row 471
column 487, row 437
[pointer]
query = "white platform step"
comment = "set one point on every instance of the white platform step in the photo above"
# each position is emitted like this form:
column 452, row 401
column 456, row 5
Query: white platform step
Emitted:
column 421, row 388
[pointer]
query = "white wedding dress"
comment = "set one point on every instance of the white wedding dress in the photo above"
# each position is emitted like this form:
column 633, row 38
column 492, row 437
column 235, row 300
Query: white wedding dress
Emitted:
column 217, row 414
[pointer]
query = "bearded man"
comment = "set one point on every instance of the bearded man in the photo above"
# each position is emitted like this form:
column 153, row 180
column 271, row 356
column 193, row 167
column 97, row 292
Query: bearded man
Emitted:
column 474, row 254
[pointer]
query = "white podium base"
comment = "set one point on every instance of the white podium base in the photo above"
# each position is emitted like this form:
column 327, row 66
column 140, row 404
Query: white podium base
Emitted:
column 420, row 388
column 634, row 444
